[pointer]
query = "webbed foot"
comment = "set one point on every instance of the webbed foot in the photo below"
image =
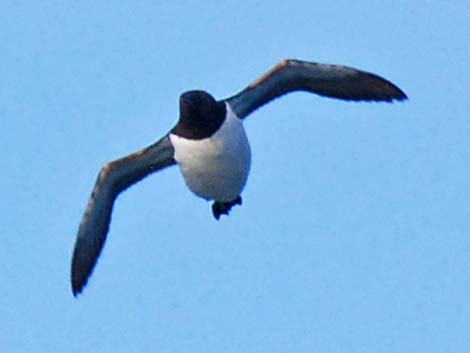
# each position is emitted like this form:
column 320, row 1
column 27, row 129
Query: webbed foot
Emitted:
column 220, row 208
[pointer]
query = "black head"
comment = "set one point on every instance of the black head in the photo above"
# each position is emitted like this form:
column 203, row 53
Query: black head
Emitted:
column 200, row 115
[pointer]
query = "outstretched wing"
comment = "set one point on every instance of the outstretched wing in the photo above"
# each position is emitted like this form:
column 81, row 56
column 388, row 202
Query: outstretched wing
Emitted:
column 333, row 81
column 113, row 178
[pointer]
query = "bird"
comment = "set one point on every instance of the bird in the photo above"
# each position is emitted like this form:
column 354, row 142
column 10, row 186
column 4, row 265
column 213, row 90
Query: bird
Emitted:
column 210, row 146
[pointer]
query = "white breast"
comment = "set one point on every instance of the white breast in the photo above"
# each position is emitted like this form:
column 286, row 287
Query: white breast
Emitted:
column 216, row 168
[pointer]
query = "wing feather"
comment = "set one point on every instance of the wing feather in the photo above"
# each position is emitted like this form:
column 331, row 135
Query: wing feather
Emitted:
column 334, row 81
column 113, row 178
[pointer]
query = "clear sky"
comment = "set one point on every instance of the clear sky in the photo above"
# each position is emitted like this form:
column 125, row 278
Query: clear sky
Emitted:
column 354, row 235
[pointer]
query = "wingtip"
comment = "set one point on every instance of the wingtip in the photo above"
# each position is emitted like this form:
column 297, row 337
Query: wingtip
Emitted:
column 401, row 95
column 78, row 278
column 76, row 288
column 393, row 92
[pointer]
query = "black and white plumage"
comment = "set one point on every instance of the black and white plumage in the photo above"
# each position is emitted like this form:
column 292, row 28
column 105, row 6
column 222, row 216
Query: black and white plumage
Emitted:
column 210, row 146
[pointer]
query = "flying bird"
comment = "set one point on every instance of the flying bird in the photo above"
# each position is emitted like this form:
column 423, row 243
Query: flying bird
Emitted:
column 210, row 147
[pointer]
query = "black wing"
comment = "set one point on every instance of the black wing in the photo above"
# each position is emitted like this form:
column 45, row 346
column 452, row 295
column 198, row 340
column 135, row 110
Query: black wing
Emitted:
column 113, row 178
column 333, row 81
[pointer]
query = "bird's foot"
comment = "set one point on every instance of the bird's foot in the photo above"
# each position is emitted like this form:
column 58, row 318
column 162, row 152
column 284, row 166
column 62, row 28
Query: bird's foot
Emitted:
column 220, row 208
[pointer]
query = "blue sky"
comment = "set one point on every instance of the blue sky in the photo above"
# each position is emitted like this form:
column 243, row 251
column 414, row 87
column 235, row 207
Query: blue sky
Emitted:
column 354, row 232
